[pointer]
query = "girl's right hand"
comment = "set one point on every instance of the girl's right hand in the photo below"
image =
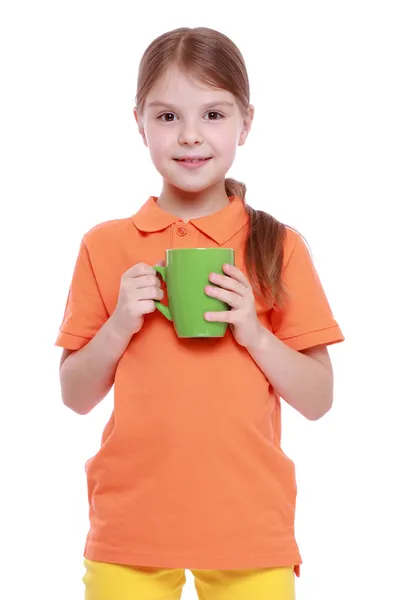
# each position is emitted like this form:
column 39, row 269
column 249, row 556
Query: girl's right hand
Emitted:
column 139, row 287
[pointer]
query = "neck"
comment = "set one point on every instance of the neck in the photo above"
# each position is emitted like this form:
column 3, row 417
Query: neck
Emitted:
column 192, row 205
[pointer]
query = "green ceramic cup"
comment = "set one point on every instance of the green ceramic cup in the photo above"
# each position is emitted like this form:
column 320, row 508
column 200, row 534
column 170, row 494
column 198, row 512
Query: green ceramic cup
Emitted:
column 186, row 274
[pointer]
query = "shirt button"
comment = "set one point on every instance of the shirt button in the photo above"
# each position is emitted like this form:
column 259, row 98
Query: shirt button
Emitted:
column 181, row 231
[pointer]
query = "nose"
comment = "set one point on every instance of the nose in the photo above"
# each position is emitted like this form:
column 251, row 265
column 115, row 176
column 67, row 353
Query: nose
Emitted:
column 190, row 134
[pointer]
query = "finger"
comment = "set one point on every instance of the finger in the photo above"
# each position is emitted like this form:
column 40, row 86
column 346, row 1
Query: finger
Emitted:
column 147, row 281
column 149, row 293
column 234, row 300
column 147, row 306
column 138, row 270
column 228, row 283
column 223, row 316
column 234, row 272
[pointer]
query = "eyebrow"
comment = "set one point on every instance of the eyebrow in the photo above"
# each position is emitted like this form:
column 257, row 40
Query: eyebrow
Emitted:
column 158, row 103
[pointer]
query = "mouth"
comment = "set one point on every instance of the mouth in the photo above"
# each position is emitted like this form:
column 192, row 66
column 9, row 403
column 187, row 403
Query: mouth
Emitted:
column 193, row 159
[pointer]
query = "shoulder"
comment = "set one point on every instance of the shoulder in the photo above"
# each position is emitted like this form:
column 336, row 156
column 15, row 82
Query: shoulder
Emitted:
column 105, row 234
column 294, row 242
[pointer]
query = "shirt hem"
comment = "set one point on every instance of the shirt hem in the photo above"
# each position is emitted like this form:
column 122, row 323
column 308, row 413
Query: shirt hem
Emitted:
column 253, row 561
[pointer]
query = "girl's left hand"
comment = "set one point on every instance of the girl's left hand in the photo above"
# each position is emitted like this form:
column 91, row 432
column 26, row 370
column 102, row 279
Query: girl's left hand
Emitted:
column 235, row 290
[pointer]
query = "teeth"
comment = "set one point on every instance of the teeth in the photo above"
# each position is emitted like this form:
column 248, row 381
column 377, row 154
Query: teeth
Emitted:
column 193, row 160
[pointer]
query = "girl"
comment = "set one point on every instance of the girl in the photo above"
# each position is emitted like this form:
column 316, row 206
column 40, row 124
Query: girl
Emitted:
column 190, row 473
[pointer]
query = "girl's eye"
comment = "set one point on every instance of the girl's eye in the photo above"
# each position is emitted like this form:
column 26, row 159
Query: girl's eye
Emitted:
column 213, row 112
column 214, row 116
column 166, row 114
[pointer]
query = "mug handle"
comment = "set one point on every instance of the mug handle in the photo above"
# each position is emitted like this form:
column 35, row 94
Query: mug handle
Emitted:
column 161, row 307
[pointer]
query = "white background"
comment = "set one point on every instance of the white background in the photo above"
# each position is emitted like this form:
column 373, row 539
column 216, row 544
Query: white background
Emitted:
column 323, row 156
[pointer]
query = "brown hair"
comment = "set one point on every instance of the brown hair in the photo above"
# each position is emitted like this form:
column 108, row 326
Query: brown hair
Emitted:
column 212, row 58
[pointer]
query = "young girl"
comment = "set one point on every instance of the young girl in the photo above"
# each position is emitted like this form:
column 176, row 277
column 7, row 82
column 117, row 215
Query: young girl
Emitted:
column 190, row 473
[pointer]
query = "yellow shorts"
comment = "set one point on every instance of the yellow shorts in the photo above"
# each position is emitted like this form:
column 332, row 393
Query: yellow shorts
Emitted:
column 104, row 581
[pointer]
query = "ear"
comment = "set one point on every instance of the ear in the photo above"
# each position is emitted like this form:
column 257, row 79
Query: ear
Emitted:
column 139, row 122
column 247, row 122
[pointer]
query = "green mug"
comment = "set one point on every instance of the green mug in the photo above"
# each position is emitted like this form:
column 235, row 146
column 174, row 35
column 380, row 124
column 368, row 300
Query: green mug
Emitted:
column 186, row 274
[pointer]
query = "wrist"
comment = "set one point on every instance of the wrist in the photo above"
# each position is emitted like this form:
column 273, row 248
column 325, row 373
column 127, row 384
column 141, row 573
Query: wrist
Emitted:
column 117, row 331
column 261, row 341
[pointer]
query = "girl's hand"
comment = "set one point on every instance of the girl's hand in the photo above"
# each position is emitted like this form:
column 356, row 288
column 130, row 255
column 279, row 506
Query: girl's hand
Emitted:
column 235, row 290
column 139, row 288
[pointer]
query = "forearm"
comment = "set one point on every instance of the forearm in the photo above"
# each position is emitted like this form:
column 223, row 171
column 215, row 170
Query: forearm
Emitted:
column 87, row 375
column 302, row 381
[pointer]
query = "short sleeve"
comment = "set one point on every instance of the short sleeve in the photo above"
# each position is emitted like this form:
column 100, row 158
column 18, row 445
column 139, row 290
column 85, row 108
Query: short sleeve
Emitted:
column 85, row 312
column 306, row 318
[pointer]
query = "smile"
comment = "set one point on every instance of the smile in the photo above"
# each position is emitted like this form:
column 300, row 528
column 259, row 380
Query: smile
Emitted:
column 192, row 163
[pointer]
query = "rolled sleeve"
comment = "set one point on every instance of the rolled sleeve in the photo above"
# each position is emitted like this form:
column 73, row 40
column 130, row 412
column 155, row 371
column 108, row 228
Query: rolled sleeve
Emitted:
column 306, row 319
column 85, row 312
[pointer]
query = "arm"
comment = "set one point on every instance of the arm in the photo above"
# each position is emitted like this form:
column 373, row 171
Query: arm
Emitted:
column 294, row 358
column 303, row 379
column 87, row 375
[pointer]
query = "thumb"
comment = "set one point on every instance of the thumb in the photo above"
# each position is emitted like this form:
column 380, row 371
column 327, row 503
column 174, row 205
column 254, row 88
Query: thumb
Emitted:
column 161, row 263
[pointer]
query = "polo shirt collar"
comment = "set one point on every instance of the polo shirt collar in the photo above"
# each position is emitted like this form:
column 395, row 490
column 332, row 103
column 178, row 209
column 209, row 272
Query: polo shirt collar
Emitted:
column 220, row 226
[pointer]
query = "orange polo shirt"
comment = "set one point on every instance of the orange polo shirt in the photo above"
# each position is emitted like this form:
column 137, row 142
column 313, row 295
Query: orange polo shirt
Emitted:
column 190, row 473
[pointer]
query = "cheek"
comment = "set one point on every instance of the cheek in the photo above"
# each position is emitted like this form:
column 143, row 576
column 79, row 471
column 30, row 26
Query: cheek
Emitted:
column 157, row 137
column 226, row 141
column 159, row 147
column 157, row 153
column 227, row 150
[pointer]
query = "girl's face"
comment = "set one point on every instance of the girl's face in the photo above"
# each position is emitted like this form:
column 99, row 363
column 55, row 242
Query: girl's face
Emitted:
column 182, row 118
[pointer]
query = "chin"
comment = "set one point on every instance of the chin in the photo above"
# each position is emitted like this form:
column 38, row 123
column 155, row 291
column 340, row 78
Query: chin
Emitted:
column 188, row 187
column 191, row 188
